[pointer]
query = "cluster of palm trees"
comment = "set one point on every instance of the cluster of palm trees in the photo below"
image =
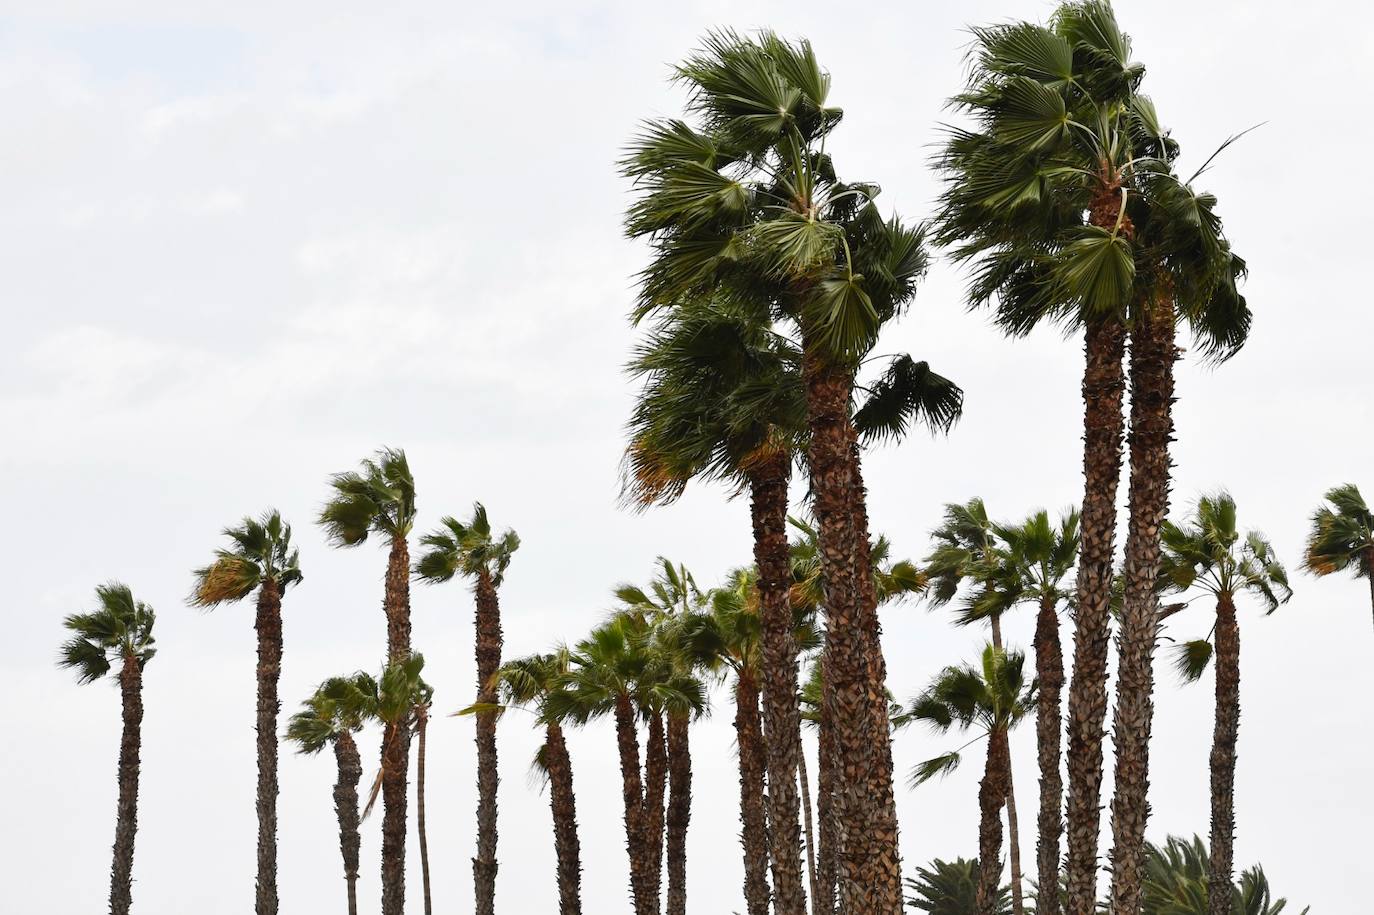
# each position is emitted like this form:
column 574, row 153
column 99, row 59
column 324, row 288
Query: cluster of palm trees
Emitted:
column 769, row 282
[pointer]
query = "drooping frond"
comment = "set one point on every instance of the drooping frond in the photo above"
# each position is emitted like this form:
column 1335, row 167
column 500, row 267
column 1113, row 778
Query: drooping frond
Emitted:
column 120, row 629
column 466, row 548
column 378, row 498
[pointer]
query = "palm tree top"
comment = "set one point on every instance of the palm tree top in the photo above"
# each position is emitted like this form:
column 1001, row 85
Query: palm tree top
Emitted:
column 390, row 698
column 323, row 717
column 1208, row 552
column 119, row 629
column 378, row 498
column 260, row 551
column 672, row 590
column 1342, row 535
column 466, row 548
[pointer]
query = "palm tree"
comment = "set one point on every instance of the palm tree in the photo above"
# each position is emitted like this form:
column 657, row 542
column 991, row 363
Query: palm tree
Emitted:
column 532, row 682
column 260, row 559
column 951, row 888
column 472, row 550
column 119, row 630
column 390, row 700
column 1208, row 554
column 320, row 722
column 1063, row 193
column 748, row 204
column 1342, row 536
column 723, row 399
column 1176, row 883
column 992, row 699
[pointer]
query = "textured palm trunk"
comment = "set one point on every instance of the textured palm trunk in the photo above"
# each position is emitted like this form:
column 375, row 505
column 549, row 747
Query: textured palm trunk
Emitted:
column 396, row 602
column 1049, row 671
column 781, row 715
column 809, row 825
column 1104, row 347
column 679, row 810
column 488, row 655
column 753, row 766
column 421, row 726
column 992, row 794
column 268, row 626
column 346, row 809
column 655, row 796
column 563, row 804
column 1152, row 394
column 1223, row 762
column 1018, row 902
column 1369, row 563
column 632, row 793
column 855, row 696
column 126, row 818
column 827, row 850
column 395, row 761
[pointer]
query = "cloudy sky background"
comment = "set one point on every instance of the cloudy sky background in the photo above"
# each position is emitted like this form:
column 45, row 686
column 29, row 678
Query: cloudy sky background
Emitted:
column 245, row 246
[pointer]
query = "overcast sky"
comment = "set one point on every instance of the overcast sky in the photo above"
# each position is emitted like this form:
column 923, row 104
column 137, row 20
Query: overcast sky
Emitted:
column 246, row 244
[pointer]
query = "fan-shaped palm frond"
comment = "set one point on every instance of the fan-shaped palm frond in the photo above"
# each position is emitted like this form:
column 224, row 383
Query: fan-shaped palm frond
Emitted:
column 467, row 548
column 378, row 498
column 260, row 551
column 120, row 629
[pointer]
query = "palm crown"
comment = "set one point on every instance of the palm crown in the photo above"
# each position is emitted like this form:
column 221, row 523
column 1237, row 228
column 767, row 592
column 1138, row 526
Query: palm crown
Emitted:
column 119, row 629
column 1342, row 535
column 466, row 548
column 325, row 715
column 261, row 551
column 379, row 498
column 891, row 580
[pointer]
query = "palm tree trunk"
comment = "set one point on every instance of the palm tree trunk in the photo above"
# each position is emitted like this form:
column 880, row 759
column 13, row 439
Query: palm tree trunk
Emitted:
column 126, row 819
column 563, row 803
column 855, row 695
column 992, row 794
column 781, row 716
column 1152, row 394
column 421, row 726
column 1104, row 347
column 752, row 780
column 346, row 808
column 1049, row 671
column 1369, row 562
column 488, row 655
column 397, row 602
column 679, row 810
column 1223, row 761
column 636, row 843
column 655, row 794
column 1018, row 903
column 810, row 828
column 268, row 626
column 827, row 869
column 395, row 762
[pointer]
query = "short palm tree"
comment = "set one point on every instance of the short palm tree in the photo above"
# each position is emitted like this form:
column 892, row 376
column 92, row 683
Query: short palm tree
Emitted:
column 471, row 549
column 260, row 558
column 1176, row 883
column 1208, row 554
column 950, row 888
column 990, row 699
column 119, row 631
column 323, row 721
column 1342, row 536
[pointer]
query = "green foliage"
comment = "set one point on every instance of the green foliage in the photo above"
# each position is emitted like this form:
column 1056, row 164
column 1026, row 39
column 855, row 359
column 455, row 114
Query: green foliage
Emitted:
column 380, row 498
column 891, row 580
column 261, row 551
column 466, row 548
column 119, row 629
column 1176, row 882
column 324, row 716
column 951, row 888
column 1342, row 535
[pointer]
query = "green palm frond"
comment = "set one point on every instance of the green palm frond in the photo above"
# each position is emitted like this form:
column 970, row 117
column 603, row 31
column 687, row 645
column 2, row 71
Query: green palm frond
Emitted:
column 261, row 551
column 951, row 888
column 378, row 498
column 1342, row 534
column 466, row 548
column 120, row 629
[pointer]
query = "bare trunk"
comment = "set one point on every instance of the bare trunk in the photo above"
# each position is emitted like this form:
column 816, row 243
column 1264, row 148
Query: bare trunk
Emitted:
column 269, row 673
column 1018, row 903
column 1104, row 346
column 346, row 809
column 395, row 762
column 752, row 780
column 421, row 726
column 655, row 795
column 1049, row 670
column 563, row 803
column 679, row 810
column 1370, row 564
column 992, row 794
column 632, row 793
column 1224, row 735
column 827, row 851
column 1152, row 394
column 396, row 602
column 488, row 655
column 778, row 675
column 854, row 696
column 126, row 820
column 807, row 822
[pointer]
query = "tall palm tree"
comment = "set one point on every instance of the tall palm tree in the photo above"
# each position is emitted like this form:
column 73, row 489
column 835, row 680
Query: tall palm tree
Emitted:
column 532, row 682
column 747, row 202
column 260, row 559
column 1207, row 554
column 471, row 549
column 390, row 700
column 1342, row 536
column 991, row 699
column 119, row 630
column 320, row 722
column 1063, row 194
